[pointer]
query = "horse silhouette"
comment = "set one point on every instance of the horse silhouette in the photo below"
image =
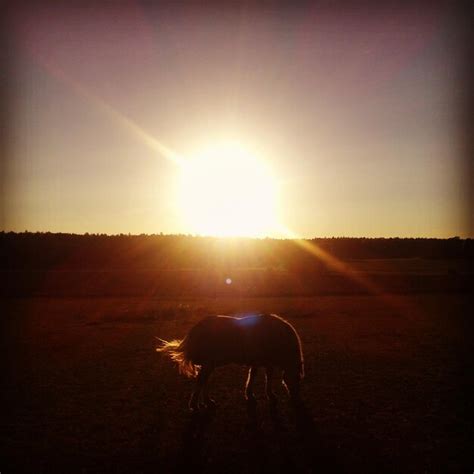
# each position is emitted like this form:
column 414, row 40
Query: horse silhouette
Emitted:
column 264, row 340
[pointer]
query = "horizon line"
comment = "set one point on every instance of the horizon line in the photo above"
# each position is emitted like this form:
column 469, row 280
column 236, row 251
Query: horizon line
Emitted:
column 236, row 237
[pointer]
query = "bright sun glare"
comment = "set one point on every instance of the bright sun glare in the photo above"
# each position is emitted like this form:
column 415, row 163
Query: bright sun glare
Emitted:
column 227, row 191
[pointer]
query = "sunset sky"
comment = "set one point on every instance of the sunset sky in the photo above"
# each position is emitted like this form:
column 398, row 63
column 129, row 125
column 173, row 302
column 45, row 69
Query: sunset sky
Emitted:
column 333, row 121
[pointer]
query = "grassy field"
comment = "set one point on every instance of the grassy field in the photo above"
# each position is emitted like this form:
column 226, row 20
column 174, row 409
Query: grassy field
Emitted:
column 387, row 383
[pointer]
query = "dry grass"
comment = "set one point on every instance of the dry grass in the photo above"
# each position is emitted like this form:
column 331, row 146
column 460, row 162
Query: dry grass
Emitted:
column 86, row 392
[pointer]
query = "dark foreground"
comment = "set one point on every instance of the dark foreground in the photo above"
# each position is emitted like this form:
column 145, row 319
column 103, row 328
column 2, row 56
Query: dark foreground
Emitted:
column 387, row 384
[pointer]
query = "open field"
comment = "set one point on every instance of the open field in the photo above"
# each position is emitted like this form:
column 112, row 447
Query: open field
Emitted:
column 402, row 275
column 387, row 383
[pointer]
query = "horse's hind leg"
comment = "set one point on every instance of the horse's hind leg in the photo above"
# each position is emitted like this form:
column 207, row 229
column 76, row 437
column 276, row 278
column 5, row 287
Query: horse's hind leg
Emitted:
column 201, row 383
column 208, row 401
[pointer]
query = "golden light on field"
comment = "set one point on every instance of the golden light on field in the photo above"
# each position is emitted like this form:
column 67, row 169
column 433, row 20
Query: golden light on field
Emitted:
column 226, row 190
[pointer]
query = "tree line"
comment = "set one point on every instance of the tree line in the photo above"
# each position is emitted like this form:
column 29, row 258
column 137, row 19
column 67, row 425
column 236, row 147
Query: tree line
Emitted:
column 37, row 251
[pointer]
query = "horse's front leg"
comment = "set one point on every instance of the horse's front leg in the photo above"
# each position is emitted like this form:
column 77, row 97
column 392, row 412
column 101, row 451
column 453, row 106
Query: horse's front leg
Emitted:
column 249, row 395
column 201, row 383
column 291, row 380
column 268, row 385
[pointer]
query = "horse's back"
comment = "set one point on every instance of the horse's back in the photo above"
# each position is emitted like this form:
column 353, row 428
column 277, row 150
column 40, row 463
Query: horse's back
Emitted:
column 273, row 341
column 212, row 340
column 263, row 339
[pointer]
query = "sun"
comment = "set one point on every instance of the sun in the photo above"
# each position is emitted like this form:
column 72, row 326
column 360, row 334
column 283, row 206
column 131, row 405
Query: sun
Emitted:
column 225, row 190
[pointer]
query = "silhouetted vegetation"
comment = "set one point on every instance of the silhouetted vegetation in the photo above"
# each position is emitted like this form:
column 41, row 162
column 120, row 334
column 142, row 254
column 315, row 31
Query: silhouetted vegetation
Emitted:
column 36, row 251
column 179, row 266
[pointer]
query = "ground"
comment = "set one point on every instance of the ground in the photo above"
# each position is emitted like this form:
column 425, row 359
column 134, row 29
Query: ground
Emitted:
column 386, row 384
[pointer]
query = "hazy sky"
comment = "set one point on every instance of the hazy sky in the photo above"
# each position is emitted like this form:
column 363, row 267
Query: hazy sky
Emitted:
column 356, row 111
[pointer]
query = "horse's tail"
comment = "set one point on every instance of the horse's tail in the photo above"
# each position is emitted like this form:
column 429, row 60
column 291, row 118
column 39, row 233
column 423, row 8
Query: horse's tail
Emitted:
column 176, row 350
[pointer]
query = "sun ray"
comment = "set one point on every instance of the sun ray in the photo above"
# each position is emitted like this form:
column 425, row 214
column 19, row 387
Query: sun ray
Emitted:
column 332, row 262
column 99, row 103
column 396, row 302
